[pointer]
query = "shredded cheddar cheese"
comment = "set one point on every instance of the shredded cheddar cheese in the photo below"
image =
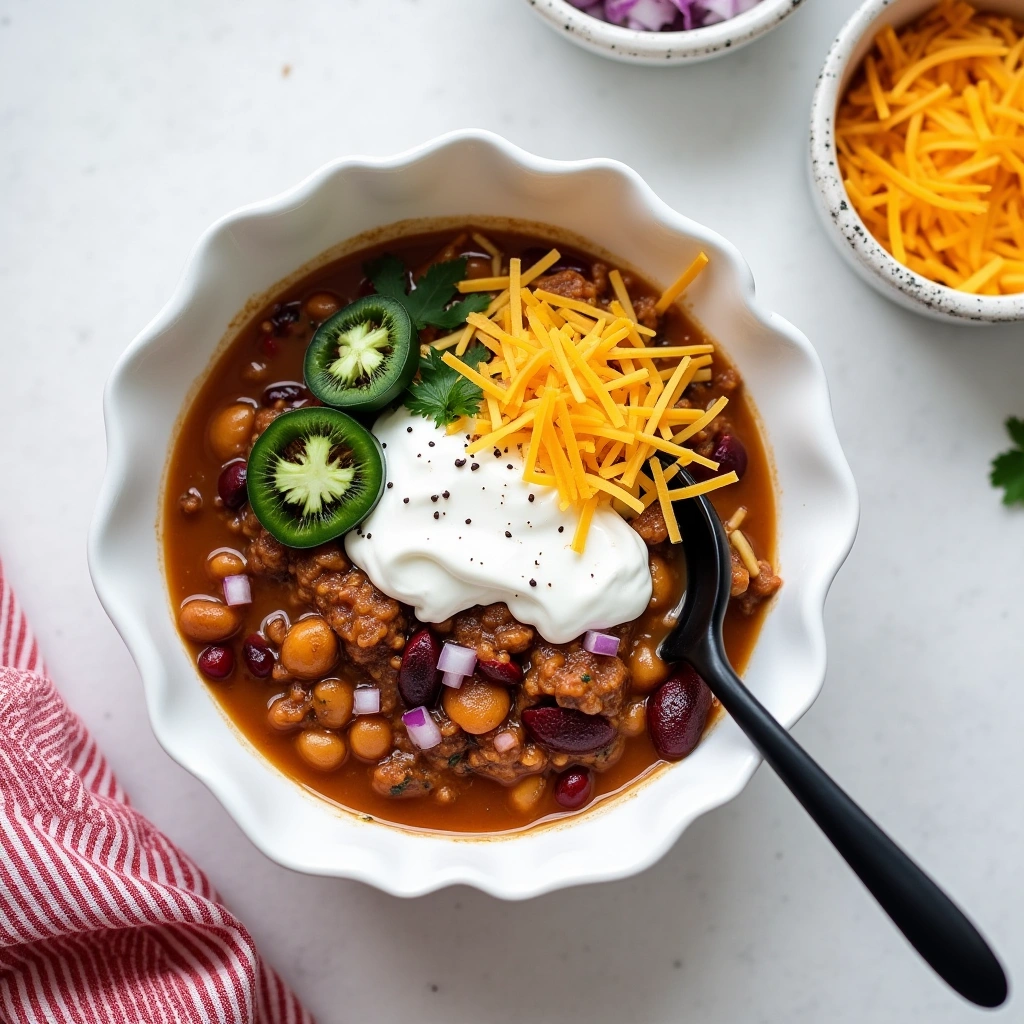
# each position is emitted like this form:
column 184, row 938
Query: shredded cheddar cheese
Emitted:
column 586, row 394
column 930, row 139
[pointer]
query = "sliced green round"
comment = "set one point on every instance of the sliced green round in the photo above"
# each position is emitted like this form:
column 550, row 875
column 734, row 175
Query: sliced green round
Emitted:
column 313, row 475
column 364, row 356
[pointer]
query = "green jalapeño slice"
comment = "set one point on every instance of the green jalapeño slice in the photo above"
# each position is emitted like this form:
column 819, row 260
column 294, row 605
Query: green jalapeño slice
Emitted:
column 313, row 474
column 364, row 356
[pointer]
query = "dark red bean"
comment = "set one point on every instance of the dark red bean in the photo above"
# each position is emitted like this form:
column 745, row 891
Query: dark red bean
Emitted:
column 259, row 659
column 283, row 316
column 567, row 730
column 217, row 662
column 231, row 485
column 731, row 455
column 678, row 712
column 574, row 788
column 565, row 262
column 418, row 678
column 288, row 391
column 507, row 673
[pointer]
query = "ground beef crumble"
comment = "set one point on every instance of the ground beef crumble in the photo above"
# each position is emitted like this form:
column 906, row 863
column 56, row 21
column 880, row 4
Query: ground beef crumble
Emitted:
column 578, row 679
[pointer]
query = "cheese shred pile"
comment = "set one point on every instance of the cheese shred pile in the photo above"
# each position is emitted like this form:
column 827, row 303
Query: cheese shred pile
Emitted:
column 931, row 147
column 586, row 395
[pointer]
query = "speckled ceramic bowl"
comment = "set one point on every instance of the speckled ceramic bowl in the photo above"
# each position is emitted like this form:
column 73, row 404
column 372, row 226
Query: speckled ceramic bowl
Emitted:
column 843, row 224
column 662, row 48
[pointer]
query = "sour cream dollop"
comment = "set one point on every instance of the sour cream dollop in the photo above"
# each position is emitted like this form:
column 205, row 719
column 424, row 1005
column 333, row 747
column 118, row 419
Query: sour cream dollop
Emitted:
column 454, row 530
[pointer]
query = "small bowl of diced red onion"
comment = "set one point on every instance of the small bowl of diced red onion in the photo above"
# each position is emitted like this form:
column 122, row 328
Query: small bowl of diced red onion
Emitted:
column 663, row 32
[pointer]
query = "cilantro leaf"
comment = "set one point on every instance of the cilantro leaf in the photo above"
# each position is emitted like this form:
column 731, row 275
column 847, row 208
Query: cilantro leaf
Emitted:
column 1008, row 468
column 428, row 301
column 441, row 394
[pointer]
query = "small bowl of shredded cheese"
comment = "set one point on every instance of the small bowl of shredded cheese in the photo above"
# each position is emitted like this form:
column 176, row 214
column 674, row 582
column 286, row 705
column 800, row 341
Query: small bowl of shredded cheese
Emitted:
column 917, row 154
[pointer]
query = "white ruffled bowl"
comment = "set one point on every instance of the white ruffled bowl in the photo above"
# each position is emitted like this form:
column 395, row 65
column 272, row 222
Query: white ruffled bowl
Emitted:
column 662, row 49
column 465, row 175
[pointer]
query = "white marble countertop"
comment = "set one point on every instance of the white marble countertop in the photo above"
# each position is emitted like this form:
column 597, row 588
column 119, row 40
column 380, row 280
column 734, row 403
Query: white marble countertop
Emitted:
column 126, row 128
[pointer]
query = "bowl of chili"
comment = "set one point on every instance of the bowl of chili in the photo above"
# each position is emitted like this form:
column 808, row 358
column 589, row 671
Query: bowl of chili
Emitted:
column 239, row 265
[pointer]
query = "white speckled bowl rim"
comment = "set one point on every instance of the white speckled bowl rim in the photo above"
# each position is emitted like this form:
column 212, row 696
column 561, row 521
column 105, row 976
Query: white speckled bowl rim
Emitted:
column 467, row 174
column 662, row 49
column 843, row 224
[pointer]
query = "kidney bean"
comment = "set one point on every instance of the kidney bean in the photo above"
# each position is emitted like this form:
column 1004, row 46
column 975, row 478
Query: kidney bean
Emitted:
column 418, row 678
column 231, row 485
column 568, row 730
column 217, row 662
column 574, row 788
column 731, row 455
column 508, row 673
column 259, row 659
column 677, row 713
column 287, row 391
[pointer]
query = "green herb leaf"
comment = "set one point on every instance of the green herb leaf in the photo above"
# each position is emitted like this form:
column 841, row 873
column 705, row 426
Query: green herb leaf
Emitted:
column 443, row 395
column 1008, row 468
column 427, row 303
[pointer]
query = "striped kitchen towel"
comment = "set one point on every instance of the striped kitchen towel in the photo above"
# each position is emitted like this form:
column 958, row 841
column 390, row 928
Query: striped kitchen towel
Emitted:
column 102, row 918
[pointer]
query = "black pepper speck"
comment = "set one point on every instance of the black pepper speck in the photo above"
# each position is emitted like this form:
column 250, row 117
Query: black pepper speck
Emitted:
column 529, row 497
column 509, row 466
column 430, row 444
column 561, row 529
column 474, row 466
column 437, row 515
column 434, row 497
column 408, row 430
column 405, row 501
column 533, row 583
column 508, row 533
column 468, row 521
column 446, row 494
column 391, row 483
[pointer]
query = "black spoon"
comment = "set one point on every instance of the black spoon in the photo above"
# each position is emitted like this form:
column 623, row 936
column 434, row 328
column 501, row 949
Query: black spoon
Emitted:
column 928, row 918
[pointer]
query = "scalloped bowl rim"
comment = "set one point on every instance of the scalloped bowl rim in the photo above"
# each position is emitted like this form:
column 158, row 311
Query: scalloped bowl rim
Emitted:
column 844, row 226
column 620, row 836
column 663, row 48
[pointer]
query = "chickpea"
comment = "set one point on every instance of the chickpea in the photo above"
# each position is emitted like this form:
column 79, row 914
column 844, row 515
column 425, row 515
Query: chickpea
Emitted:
column 287, row 713
column 648, row 670
column 324, row 750
column 526, row 793
column 477, row 706
column 208, row 621
column 332, row 703
column 230, row 431
column 310, row 648
column 661, row 583
column 634, row 721
column 321, row 305
column 223, row 563
column 370, row 738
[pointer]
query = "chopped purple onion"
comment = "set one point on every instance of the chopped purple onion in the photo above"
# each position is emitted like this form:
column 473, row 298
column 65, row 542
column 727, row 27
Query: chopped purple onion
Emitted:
column 504, row 741
column 237, row 590
column 456, row 658
column 366, row 700
column 453, row 679
column 664, row 15
column 601, row 643
column 422, row 729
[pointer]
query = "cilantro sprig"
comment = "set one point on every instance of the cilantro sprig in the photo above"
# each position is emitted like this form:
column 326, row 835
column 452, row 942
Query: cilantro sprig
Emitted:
column 440, row 393
column 429, row 303
column 1008, row 468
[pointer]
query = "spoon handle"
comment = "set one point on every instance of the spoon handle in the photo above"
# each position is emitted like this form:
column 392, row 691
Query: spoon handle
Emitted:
column 929, row 919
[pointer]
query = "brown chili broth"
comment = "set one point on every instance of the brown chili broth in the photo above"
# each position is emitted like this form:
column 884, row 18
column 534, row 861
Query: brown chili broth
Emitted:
column 482, row 804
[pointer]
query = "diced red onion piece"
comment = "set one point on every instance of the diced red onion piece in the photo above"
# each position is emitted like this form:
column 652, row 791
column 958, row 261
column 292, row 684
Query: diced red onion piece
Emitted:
column 422, row 729
column 366, row 700
column 504, row 741
column 453, row 679
column 601, row 643
column 237, row 590
column 456, row 658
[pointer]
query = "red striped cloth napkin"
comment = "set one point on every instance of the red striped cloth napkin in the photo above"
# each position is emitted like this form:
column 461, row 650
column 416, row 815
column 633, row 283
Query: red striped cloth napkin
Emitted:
column 102, row 918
